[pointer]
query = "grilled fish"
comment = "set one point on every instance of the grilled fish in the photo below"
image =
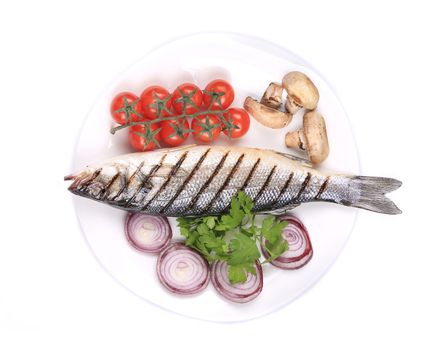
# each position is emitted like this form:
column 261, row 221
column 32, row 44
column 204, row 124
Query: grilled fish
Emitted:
column 201, row 180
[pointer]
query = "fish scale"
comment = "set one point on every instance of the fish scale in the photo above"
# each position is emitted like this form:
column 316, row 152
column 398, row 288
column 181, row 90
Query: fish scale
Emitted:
column 311, row 190
column 269, row 197
column 174, row 183
column 182, row 202
column 155, row 182
column 339, row 188
column 223, row 198
column 205, row 200
column 258, row 179
column 201, row 180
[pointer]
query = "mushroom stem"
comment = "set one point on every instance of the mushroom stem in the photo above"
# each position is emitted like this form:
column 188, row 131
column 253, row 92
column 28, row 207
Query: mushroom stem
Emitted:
column 295, row 139
column 272, row 96
column 291, row 105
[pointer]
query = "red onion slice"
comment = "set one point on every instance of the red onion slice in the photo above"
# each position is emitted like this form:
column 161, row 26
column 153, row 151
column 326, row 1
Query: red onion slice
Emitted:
column 300, row 248
column 182, row 270
column 239, row 292
column 147, row 233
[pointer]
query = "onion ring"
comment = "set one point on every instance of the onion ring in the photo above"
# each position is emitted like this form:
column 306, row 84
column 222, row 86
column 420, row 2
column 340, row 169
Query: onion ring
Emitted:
column 182, row 270
column 300, row 247
column 147, row 233
column 239, row 292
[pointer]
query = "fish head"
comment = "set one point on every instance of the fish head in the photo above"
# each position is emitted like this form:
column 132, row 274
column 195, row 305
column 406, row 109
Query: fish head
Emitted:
column 90, row 182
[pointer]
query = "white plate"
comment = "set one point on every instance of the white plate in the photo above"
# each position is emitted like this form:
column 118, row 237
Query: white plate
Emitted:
column 250, row 64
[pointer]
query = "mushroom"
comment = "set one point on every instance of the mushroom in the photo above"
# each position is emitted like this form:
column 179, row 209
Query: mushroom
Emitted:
column 272, row 96
column 267, row 116
column 312, row 137
column 301, row 92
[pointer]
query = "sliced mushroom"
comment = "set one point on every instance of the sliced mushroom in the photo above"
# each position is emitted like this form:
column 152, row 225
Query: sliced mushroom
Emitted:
column 273, row 96
column 312, row 137
column 301, row 92
column 267, row 116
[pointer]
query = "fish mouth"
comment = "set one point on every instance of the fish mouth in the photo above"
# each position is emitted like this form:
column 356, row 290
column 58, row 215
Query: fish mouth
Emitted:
column 74, row 185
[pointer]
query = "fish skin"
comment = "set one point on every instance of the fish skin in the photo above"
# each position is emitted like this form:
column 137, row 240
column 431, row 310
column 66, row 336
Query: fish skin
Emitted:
column 201, row 180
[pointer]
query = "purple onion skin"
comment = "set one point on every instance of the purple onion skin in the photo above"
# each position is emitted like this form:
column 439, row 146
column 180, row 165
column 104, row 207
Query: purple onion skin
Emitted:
column 232, row 293
column 293, row 263
column 168, row 284
column 153, row 248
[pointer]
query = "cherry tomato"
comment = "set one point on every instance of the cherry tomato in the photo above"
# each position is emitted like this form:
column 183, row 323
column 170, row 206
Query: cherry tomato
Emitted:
column 187, row 98
column 126, row 107
column 174, row 132
column 237, row 122
column 142, row 137
column 206, row 127
column 156, row 102
column 218, row 95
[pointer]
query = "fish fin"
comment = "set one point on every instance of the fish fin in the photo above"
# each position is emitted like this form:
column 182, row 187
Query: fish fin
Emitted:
column 303, row 161
column 372, row 194
column 279, row 211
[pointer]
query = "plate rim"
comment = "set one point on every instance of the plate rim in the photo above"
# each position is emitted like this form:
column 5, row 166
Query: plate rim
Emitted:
column 134, row 63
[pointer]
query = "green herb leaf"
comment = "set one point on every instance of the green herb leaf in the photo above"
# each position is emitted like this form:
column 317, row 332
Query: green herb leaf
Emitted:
column 277, row 248
column 237, row 274
column 271, row 229
column 243, row 250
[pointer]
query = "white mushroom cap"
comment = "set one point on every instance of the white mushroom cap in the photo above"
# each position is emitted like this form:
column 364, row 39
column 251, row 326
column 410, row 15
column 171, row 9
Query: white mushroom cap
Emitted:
column 312, row 137
column 301, row 92
column 315, row 133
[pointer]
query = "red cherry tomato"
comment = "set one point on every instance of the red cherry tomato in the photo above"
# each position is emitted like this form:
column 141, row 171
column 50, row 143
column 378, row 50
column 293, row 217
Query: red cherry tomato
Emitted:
column 174, row 132
column 142, row 137
column 126, row 107
column 237, row 122
column 156, row 102
column 206, row 127
column 218, row 95
column 187, row 98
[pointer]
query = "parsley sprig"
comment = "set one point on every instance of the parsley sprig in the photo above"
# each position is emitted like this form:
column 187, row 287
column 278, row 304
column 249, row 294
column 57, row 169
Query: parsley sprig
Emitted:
column 235, row 237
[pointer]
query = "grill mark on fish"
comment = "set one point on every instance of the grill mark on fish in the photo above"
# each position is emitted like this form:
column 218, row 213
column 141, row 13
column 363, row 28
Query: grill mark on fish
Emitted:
column 123, row 180
column 303, row 186
column 190, row 176
column 266, row 183
column 95, row 175
column 322, row 188
column 285, row 187
column 127, row 183
column 207, row 183
column 104, row 192
column 173, row 172
column 249, row 177
column 89, row 181
column 153, row 171
column 225, row 183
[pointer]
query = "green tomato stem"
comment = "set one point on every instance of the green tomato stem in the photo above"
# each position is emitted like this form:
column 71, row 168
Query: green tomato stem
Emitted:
column 218, row 113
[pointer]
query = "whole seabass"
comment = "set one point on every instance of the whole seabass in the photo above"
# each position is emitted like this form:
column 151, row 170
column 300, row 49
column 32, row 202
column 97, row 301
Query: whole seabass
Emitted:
column 201, row 180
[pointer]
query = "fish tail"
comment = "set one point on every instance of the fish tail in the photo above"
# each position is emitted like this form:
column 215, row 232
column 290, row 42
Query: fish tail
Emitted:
column 372, row 192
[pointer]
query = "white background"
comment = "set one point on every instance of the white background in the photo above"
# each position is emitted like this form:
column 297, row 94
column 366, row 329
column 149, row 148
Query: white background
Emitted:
column 56, row 57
